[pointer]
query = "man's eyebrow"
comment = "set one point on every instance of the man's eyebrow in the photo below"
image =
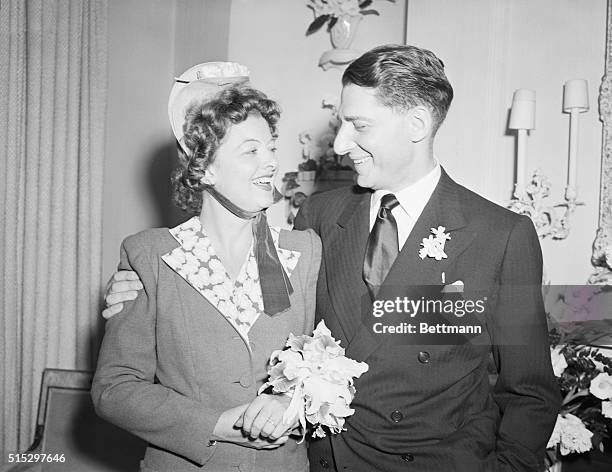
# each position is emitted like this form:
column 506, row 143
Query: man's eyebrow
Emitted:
column 355, row 118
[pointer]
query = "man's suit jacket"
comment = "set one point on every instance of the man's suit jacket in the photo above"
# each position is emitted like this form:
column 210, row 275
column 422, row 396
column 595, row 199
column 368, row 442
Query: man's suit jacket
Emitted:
column 429, row 407
column 171, row 363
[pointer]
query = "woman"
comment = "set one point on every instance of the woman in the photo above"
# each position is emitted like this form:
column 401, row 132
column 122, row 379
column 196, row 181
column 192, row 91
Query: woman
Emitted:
column 181, row 365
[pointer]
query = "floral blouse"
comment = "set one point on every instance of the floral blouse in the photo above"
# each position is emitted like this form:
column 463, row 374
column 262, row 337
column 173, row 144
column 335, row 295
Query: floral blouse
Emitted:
column 239, row 301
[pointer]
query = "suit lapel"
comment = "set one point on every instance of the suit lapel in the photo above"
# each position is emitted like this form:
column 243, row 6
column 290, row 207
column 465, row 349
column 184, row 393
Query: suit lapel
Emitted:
column 344, row 262
column 410, row 271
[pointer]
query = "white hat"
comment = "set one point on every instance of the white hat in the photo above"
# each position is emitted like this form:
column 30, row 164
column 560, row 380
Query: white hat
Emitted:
column 200, row 82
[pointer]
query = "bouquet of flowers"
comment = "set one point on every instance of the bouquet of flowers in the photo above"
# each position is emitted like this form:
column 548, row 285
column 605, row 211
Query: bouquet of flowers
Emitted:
column 319, row 377
column 585, row 379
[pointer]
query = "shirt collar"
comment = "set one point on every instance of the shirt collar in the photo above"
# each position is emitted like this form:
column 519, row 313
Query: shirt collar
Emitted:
column 414, row 197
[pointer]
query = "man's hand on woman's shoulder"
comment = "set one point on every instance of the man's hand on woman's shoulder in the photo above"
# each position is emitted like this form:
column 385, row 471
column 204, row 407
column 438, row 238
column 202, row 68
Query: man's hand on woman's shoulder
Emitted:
column 122, row 287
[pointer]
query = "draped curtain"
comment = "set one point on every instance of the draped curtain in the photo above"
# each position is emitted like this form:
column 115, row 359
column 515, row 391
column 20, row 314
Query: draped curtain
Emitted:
column 52, row 118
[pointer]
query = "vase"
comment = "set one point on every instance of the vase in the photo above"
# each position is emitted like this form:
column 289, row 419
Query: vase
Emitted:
column 343, row 32
column 556, row 467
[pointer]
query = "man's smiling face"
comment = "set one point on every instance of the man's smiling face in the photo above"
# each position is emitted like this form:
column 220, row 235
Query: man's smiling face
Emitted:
column 376, row 138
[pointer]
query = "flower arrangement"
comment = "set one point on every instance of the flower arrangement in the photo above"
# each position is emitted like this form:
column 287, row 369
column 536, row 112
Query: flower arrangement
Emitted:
column 584, row 374
column 319, row 377
column 328, row 11
column 318, row 150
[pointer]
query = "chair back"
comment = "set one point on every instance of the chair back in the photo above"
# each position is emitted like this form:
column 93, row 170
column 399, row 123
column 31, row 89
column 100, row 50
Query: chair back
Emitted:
column 67, row 424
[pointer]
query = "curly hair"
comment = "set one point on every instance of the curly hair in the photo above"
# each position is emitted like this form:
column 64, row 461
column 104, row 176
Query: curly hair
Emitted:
column 206, row 124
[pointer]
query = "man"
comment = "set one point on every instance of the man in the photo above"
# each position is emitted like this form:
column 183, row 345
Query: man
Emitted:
column 425, row 404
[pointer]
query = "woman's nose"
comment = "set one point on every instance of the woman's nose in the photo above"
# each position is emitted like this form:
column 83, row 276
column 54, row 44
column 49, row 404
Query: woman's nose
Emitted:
column 271, row 162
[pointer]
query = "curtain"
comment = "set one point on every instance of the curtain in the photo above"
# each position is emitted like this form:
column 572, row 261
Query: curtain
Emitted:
column 52, row 119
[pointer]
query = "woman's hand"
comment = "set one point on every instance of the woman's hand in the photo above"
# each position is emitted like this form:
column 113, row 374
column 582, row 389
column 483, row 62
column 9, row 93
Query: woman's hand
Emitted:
column 264, row 418
column 226, row 431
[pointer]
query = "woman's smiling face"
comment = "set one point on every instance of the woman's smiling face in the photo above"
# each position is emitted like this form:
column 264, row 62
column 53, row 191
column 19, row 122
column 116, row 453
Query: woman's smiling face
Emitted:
column 245, row 164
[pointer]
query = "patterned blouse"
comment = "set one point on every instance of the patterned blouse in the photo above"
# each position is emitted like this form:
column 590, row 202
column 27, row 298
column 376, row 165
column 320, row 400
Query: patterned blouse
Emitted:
column 195, row 260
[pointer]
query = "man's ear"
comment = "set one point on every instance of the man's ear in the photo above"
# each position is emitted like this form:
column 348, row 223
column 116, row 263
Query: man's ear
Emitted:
column 419, row 121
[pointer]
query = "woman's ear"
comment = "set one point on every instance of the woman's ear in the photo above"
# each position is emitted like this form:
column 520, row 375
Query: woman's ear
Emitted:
column 209, row 177
column 419, row 121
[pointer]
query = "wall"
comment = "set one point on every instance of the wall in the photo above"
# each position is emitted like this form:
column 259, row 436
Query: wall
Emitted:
column 146, row 51
column 490, row 48
column 269, row 37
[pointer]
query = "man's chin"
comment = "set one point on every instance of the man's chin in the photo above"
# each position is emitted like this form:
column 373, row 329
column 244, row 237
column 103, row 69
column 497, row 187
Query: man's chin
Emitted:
column 364, row 181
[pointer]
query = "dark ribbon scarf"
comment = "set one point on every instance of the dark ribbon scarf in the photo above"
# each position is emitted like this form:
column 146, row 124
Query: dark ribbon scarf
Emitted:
column 273, row 280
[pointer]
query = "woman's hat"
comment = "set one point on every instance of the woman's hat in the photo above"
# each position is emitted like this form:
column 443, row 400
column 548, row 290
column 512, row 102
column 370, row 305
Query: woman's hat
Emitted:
column 201, row 82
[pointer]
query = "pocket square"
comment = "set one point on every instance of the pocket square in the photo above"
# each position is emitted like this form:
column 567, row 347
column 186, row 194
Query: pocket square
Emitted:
column 455, row 287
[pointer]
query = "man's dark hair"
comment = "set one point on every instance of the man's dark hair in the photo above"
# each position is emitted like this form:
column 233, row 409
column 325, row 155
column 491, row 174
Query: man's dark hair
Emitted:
column 404, row 77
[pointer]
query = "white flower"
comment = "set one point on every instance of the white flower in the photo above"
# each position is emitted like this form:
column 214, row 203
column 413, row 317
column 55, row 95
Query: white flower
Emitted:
column 319, row 377
column 200, row 278
column 201, row 252
column 191, row 264
column 189, row 239
column 601, row 386
column 558, row 360
column 571, row 434
column 440, row 234
column 606, row 408
column 223, row 290
column 433, row 246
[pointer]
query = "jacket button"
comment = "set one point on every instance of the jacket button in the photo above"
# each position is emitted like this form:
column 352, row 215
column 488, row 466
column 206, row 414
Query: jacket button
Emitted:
column 407, row 457
column 324, row 463
column 424, row 357
column 397, row 416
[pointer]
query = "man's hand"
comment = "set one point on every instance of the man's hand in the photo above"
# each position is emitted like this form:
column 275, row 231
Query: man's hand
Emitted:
column 122, row 287
column 264, row 417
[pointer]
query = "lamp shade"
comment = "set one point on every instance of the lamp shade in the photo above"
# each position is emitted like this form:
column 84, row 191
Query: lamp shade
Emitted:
column 522, row 114
column 576, row 95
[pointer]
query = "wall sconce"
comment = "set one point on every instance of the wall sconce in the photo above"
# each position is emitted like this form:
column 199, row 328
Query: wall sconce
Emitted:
column 550, row 220
column 522, row 119
column 575, row 101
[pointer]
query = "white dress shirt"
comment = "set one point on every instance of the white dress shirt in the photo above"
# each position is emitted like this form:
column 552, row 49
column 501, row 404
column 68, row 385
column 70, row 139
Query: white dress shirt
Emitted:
column 412, row 200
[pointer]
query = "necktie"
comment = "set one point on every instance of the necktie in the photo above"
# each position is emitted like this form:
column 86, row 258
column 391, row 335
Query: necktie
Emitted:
column 383, row 247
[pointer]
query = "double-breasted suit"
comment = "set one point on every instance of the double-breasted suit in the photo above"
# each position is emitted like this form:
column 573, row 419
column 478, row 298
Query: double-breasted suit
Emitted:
column 171, row 362
column 430, row 407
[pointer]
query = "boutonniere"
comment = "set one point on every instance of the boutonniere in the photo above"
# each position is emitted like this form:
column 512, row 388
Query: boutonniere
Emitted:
column 433, row 245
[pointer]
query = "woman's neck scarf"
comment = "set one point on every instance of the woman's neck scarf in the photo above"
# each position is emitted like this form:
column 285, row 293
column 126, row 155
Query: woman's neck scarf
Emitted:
column 273, row 280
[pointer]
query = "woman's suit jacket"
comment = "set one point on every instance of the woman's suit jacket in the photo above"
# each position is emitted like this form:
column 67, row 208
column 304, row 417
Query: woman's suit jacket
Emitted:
column 171, row 363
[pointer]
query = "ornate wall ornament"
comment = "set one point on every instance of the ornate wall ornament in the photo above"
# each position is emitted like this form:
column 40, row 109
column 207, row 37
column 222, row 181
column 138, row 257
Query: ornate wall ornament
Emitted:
column 551, row 221
column 342, row 18
column 602, row 246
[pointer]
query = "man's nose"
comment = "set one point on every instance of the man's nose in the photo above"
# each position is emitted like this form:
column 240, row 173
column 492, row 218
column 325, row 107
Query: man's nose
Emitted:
column 343, row 144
